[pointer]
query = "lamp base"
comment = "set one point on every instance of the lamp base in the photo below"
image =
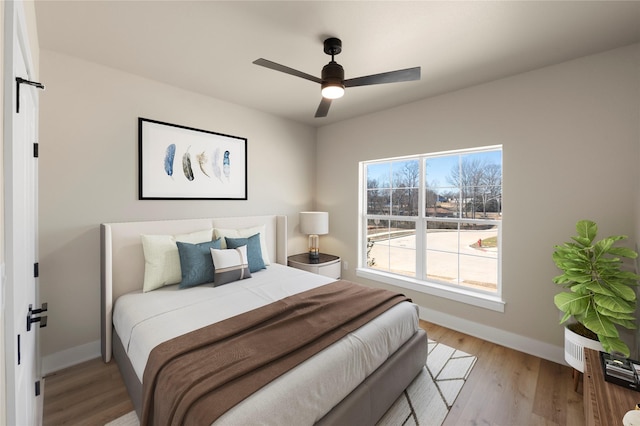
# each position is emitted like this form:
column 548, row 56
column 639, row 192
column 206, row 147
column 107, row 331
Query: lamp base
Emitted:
column 314, row 247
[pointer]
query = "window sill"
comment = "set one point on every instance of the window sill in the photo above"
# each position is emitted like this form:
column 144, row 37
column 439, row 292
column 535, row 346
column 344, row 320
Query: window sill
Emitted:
column 485, row 301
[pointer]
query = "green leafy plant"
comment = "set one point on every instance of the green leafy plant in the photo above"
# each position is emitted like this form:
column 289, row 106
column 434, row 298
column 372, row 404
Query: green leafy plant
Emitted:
column 602, row 294
column 371, row 261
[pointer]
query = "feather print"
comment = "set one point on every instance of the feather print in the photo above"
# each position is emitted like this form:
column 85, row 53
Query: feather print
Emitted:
column 186, row 165
column 202, row 159
column 168, row 159
column 216, row 168
column 226, row 165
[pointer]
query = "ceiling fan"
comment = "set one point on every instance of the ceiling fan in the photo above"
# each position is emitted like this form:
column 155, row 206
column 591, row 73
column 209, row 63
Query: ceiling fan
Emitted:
column 333, row 82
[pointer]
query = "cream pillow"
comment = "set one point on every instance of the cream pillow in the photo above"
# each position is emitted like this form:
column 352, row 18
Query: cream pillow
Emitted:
column 245, row 233
column 162, row 260
column 230, row 265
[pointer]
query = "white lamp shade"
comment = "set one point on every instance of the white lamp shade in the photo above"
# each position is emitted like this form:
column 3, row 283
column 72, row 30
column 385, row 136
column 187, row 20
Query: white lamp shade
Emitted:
column 314, row 223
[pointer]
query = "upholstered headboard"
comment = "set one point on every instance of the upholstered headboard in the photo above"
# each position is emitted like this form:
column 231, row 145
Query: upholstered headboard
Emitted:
column 122, row 259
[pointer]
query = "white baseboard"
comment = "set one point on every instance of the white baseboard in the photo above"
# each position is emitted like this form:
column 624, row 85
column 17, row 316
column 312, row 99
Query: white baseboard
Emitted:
column 495, row 335
column 82, row 353
column 70, row 357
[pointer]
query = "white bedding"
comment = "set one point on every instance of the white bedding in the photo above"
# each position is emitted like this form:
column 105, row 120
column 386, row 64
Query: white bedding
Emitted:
column 144, row 320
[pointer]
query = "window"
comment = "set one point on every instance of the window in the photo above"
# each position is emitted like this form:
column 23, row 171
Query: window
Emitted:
column 432, row 223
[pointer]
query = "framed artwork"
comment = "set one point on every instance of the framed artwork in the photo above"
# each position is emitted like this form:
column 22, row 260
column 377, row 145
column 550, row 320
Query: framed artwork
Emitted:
column 178, row 162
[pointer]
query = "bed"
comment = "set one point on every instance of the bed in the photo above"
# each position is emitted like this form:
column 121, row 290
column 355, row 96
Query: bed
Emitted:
column 353, row 381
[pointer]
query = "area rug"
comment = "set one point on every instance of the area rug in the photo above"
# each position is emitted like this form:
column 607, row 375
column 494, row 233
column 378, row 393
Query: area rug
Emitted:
column 428, row 399
column 425, row 402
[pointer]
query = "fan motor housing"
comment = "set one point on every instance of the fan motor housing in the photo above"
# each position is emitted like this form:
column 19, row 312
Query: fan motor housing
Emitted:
column 333, row 73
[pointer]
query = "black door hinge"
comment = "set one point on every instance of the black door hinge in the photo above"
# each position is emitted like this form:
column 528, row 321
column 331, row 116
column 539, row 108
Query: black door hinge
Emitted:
column 37, row 387
column 19, row 81
column 35, row 150
column 36, row 270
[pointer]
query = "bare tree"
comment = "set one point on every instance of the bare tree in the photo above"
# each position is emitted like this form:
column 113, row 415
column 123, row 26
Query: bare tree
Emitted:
column 406, row 182
column 431, row 200
column 377, row 198
column 467, row 176
column 492, row 185
column 478, row 181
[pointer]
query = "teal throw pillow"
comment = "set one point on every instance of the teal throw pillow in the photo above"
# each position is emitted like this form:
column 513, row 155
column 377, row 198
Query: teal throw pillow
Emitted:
column 195, row 262
column 254, row 250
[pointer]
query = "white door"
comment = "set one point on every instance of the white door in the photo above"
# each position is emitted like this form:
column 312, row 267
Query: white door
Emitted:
column 23, row 398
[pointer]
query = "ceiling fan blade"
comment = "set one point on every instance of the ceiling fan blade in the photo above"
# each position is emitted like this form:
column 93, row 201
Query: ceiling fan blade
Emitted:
column 277, row 67
column 409, row 74
column 323, row 108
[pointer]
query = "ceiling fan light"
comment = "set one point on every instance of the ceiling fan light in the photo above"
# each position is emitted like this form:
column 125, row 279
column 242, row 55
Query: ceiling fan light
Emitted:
column 332, row 91
column 332, row 80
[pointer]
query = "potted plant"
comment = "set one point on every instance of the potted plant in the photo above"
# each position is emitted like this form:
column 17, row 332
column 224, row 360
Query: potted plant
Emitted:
column 601, row 293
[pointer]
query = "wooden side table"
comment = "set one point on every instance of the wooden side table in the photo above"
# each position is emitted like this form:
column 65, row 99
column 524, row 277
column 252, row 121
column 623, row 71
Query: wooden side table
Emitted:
column 327, row 264
column 604, row 403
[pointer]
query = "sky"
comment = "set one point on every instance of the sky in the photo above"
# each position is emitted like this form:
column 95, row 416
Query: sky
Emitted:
column 438, row 167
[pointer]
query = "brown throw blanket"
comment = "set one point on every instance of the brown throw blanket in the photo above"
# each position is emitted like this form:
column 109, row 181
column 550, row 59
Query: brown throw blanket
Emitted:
column 195, row 378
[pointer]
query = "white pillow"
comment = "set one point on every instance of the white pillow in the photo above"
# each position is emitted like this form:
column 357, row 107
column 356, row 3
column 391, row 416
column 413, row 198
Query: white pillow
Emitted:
column 162, row 259
column 246, row 233
column 230, row 265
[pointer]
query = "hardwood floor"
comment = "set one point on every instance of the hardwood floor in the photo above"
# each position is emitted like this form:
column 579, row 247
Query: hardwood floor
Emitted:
column 91, row 393
column 505, row 387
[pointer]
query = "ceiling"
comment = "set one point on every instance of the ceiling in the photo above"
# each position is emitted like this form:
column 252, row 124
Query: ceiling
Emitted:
column 209, row 46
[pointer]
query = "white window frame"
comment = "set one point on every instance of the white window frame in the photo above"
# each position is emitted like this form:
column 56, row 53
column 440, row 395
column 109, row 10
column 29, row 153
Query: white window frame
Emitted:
column 484, row 299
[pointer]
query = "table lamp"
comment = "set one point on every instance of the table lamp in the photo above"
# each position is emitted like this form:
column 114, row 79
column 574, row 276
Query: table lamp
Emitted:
column 314, row 224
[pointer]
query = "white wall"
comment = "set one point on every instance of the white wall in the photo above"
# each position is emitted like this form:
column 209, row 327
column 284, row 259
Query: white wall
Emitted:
column 571, row 147
column 570, row 139
column 89, row 175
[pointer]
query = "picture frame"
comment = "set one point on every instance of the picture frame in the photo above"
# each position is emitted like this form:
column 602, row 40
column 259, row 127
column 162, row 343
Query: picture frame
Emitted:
column 179, row 162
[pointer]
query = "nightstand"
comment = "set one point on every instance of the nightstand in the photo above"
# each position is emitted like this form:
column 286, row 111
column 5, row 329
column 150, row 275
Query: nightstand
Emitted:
column 327, row 265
